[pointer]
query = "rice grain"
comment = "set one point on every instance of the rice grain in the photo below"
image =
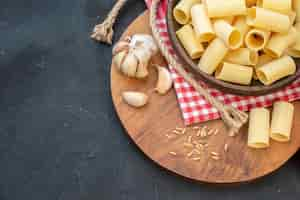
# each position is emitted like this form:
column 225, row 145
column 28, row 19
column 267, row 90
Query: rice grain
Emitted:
column 226, row 147
column 173, row 153
column 196, row 158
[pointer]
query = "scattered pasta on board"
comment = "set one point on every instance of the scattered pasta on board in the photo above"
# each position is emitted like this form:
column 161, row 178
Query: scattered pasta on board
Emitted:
column 282, row 121
column 259, row 128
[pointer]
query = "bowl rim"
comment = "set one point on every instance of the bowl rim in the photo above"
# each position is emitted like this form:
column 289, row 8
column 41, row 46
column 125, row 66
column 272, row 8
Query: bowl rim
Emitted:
column 190, row 65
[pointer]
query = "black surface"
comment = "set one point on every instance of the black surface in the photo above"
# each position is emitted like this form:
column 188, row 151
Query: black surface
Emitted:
column 60, row 138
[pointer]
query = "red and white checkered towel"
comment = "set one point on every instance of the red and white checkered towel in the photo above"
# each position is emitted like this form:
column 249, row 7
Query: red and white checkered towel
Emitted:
column 195, row 108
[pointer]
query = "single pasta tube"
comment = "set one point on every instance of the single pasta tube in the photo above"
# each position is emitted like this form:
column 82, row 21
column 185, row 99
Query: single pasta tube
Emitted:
column 279, row 42
column 234, row 73
column 221, row 8
column 259, row 128
column 241, row 25
column 242, row 56
column 282, row 6
column 296, row 6
column 268, row 20
column 213, row 56
column 256, row 39
column 201, row 23
column 229, row 34
column 250, row 3
column 275, row 70
column 282, row 121
column 188, row 39
column 262, row 60
column 181, row 12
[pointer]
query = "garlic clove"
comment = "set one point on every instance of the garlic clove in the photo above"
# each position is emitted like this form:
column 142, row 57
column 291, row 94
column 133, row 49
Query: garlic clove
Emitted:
column 135, row 99
column 142, row 71
column 129, row 65
column 118, row 59
column 164, row 82
column 143, row 58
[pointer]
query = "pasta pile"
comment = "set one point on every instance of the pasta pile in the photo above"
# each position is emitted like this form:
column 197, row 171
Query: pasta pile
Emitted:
column 241, row 40
column 260, row 129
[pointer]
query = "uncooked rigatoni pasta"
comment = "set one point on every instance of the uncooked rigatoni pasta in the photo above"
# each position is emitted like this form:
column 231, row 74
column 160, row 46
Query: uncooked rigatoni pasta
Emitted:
column 234, row 73
column 222, row 8
column 242, row 56
column 201, row 23
column 279, row 42
column 275, row 70
column 259, row 128
column 268, row 20
column 240, row 40
column 229, row 34
column 282, row 6
column 182, row 10
column 256, row 39
column 213, row 56
column 282, row 121
column 188, row 39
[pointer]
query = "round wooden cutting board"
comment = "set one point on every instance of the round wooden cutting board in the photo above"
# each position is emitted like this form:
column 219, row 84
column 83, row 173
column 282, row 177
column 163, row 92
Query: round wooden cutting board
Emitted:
column 149, row 125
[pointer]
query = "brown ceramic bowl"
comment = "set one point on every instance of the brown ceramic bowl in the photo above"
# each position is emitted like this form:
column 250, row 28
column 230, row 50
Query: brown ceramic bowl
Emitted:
column 256, row 88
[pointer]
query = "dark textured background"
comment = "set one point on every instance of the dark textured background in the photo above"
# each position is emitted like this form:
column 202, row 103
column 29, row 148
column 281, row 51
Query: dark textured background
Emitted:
column 60, row 138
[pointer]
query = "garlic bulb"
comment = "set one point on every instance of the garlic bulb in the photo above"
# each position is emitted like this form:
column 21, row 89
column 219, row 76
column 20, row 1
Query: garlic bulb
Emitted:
column 131, row 56
column 135, row 99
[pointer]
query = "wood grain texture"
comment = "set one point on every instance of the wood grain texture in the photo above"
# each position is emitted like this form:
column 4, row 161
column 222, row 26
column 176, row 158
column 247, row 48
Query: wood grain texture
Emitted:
column 147, row 127
column 256, row 87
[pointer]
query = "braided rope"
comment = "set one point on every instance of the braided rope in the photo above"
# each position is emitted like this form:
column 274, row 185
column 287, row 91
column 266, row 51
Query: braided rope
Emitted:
column 104, row 32
column 231, row 116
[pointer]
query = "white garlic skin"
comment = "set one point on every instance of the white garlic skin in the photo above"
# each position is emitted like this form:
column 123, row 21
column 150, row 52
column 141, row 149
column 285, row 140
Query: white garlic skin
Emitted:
column 147, row 41
column 135, row 99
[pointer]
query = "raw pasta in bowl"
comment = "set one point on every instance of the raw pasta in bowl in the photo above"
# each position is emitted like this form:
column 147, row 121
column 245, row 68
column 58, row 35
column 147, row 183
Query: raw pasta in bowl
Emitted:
column 239, row 46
